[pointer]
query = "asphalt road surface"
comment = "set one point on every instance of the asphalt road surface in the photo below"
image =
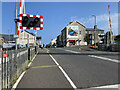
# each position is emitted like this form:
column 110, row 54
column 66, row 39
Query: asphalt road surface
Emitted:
column 72, row 68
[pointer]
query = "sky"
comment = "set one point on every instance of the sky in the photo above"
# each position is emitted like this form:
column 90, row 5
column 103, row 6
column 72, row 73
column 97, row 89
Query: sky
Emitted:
column 56, row 15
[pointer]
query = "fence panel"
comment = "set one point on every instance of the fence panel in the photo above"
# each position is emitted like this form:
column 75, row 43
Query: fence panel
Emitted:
column 0, row 70
column 13, row 65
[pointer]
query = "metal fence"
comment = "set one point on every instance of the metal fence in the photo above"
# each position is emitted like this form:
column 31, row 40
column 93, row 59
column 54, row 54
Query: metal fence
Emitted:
column 111, row 47
column 13, row 63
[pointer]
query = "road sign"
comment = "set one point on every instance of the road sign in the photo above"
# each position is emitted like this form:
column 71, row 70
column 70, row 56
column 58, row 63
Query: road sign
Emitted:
column 5, row 55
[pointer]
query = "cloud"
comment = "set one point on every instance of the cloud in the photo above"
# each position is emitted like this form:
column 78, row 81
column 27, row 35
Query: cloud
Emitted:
column 102, row 21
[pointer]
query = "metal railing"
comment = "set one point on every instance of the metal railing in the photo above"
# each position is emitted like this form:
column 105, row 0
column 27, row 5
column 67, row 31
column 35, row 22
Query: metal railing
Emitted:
column 111, row 47
column 13, row 63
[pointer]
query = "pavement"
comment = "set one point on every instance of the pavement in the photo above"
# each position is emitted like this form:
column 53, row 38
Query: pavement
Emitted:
column 72, row 68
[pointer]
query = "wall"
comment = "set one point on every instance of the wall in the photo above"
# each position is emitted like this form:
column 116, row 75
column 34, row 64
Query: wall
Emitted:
column 80, row 36
column 24, row 38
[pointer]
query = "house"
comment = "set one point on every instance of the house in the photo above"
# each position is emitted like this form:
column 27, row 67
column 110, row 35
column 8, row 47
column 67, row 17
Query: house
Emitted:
column 4, row 39
column 72, row 35
column 7, row 38
column 90, row 35
column 53, row 42
column 59, row 41
column 76, row 34
column 26, row 37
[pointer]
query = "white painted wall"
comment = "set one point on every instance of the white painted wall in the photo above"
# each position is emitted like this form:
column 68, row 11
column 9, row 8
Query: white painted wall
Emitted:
column 23, row 39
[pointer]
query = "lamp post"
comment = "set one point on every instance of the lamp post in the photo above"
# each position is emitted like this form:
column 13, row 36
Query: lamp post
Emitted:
column 16, row 24
column 95, row 27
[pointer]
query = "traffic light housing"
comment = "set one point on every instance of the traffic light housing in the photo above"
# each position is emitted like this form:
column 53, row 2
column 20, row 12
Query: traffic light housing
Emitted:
column 31, row 21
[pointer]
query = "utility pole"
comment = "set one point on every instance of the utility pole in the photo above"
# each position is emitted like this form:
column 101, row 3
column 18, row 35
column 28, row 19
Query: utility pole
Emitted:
column 16, row 24
column 9, row 35
column 95, row 27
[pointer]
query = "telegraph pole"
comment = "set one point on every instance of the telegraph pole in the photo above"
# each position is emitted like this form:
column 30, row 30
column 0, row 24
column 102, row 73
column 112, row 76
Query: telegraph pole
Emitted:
column 16, row 24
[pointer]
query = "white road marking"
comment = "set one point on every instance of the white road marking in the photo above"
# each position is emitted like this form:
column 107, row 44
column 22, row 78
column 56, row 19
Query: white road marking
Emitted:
column 106, row 87
column 65, row 74
column 68, row 50
column 17, row 82
column 72, row 51
column 109, row 86
column 104, row 58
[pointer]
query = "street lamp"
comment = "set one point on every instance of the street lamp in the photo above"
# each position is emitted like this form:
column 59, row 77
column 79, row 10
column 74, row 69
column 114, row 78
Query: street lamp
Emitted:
column 95, row 27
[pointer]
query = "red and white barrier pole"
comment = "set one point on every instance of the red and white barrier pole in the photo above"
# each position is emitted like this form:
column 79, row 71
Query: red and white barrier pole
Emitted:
column 21, row 12
column 111, row 34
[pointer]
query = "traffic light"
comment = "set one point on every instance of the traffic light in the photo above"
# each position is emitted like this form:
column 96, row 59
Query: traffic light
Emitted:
column 30, row 22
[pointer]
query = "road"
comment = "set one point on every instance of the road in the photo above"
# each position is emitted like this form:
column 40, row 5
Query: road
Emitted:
column 72, row 68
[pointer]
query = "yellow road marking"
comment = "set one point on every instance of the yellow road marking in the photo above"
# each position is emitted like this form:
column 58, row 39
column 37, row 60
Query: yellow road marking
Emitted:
column 45, row 66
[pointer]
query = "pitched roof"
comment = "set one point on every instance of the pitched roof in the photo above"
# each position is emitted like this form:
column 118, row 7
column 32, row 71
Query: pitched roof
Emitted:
column 92, row 29
column 78, row 23
column 29, row 32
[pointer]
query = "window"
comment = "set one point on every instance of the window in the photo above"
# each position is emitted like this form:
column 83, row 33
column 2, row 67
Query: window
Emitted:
column 80, row 32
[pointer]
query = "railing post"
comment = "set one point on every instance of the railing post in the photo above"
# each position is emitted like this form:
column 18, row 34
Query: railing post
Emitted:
column 29, row 53
column 1, row 68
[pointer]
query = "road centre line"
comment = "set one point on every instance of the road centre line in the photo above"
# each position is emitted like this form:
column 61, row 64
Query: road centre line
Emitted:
column 104, row 58
column 65, row 74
